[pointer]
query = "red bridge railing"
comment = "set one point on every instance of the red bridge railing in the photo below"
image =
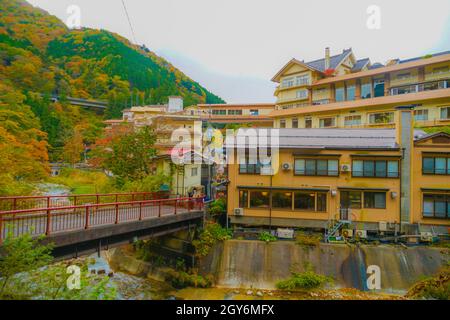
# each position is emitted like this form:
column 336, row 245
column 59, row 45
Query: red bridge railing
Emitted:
column 30, row 202
column 40, row 221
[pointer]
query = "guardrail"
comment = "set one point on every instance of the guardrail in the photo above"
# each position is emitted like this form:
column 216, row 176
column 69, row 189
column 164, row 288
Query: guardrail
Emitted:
column 46, row 221
column 30, row 202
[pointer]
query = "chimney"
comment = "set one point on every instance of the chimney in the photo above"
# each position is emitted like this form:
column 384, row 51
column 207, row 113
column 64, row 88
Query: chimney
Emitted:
column 175, row 104
column 327, row 58
column 404, row 136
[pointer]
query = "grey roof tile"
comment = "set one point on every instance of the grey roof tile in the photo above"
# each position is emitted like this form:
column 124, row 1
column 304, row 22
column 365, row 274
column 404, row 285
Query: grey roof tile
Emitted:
column 334, row 61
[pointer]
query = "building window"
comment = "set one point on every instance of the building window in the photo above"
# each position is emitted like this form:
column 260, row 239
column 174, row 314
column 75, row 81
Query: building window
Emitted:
column 243, row 199
column 321, row 202
column 421, row 115
column 301, row 94
column 295, row 123
column 259, row 199
column 282, row 123
column 436, row 206
column 436, row 165
column 440, row 70
column 316, row 167
column 375, row 200
column 351, row 93
column 254, row 112
column 383, row 117
column 235, row 112
column 445, row 113
column 340, row 94
column 352, row 120
column 304, row 201
column 404, row 76
column 194, row 172
column 219, row 112
column 351, row 199
column 375, row 168
column 327, row 122
column 366, row 90
column 288, row 82
column 308, row 122
column 302, row 80
column 378, row 88
column 282, row 200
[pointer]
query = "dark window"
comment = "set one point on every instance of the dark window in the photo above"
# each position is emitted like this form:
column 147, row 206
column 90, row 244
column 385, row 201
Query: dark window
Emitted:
column 282, row 199
column 316, row 167
column 436, row 206
column 375, row 168
column 378, row 88
column 351, row 199
column 282, row 123
column 259, row 199
column 294, row 123
column 322, row 202
column 436, row 165
column 308, row 123
column 375, row 200
column 304, row 201
column 243, row 198
column 366, row 90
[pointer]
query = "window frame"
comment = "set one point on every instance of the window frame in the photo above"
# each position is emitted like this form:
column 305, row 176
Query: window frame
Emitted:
column 365, row 194
column 434, row 196
column 434, row 157
column 315, row 167
column 387, row 172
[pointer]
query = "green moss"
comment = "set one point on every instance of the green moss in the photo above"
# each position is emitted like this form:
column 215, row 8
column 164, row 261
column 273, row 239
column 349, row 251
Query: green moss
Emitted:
column 211, row 234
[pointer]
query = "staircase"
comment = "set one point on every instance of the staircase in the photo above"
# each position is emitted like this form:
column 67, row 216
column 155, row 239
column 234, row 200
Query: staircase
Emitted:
column 333, row 230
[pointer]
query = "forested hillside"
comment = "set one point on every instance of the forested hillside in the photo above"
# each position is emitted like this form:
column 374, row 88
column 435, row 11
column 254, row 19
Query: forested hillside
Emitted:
column 41, row 57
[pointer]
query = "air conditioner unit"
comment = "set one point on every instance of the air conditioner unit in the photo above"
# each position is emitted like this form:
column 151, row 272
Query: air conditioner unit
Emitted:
column 347, row 233
column 362, row 234
column 426, row 236
column 382, row 226
column 238, row 211
column 286, row 166
column 345, row 168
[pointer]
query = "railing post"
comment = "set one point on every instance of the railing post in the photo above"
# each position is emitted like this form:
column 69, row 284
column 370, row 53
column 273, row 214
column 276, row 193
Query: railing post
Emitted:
column 48, row 229
column 140, row 211
column 15, row 204
column 189, row 204
column 1, row 229
column 117, row 213
column 86, row 225
column 159, row 209
column 176, row 202
column 97, row 196
column 48, row 202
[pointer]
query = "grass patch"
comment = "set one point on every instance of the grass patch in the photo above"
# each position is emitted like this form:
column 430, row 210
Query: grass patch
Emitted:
column 84, row 182
column 267, row 237
column 307, row 240
column 183, row 279
column 307, row 280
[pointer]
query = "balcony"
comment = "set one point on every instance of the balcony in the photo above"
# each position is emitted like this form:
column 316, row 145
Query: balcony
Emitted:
column 420, row 87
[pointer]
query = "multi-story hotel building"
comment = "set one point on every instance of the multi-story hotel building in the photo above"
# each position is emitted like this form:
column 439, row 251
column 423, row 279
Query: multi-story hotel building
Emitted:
column 220, row 115
column 340, row 91
column 378, row 179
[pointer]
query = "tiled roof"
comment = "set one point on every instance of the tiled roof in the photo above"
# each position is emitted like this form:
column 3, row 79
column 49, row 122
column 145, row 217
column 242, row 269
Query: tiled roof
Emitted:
column 335, row 138
column 360, row 64
column 334, row 61
column 422, row 57
column 376, row 65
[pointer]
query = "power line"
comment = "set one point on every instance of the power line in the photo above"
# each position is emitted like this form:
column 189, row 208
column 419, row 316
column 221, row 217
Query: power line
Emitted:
column 129, row 21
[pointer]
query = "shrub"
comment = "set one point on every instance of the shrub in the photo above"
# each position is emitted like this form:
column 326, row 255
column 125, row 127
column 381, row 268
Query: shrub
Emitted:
column 182, row 279
column 266, row 237
column 437, row 287
column 218, row 206
column 303, row 281
column 308, row 240
column 211, row 234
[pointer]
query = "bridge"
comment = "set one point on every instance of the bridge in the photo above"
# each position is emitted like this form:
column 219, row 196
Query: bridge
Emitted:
column 83, row 226
column 93, row 104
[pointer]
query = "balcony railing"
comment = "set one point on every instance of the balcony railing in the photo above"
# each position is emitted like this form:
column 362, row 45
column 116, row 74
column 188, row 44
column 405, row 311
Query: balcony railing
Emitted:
column 420, row 87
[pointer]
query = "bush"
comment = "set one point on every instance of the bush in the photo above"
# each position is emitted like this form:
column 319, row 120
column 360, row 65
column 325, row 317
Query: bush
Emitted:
column 437, row 287
column 266, row 237
column 308, row 240
column 218, row 206
column 303, row 281
column 182, row 279
column 211, row 234
column 147, row 184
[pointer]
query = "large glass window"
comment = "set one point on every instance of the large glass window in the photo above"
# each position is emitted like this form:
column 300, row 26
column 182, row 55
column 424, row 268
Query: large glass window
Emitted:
column 235, row 112
column 352, row 120
column 316, row 167
column 436, row 206
column 383, row 117
column 243, row 198
column 445, row 113
column 350, row 93
column 321, row 202
column 327, row 122
column 295, row 123
column 282, row 199
column 375, row 168
column 308, row 122
column 302, row 94
column 376, row 200
column 254, row 112
column 378, row 88
column 421, row 115
column 282, row 123
column 259, row 199
column 288, row 82
column 351, row 199
column 366, row 90
column 304, row 201
column 436, row 165
column 219, row 112
column 302, row 80
column 340, row 94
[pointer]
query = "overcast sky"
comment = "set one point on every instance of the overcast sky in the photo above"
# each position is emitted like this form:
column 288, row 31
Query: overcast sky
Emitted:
column 234, row 47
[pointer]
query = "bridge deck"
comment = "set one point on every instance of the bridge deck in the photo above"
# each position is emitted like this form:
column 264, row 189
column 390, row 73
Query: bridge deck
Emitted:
column 61, row 220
